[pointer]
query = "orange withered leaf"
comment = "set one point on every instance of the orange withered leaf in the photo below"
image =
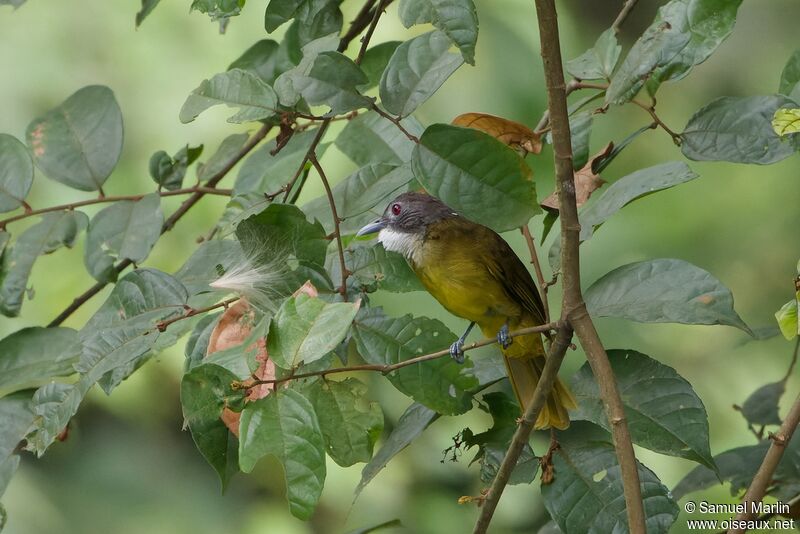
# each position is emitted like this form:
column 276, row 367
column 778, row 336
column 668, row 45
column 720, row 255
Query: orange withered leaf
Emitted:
column 586, row 181
column 512, row 133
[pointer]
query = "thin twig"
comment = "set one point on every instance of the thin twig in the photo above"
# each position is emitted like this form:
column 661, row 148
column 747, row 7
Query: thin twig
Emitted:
column 185, row 206
column 651, row 109
column 763, row 477
column 161, row 326
column 573, row 307
column 526, row 232
column 623, row 14
column 336, row 232
column 395, row 121
column 367, row 36
column 554, row 358
column 388, row 368
column 101, row 200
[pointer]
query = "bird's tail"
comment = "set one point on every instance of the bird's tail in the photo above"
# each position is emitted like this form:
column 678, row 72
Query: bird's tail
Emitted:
column 524, row 372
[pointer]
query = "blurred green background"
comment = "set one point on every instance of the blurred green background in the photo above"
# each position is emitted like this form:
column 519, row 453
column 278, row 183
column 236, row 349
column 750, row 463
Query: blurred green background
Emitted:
column 127, row 466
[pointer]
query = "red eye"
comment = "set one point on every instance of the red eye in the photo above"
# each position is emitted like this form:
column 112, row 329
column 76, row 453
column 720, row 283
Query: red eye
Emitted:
column 396, row 209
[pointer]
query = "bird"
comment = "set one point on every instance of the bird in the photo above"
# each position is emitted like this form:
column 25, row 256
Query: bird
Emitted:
column 475, row 275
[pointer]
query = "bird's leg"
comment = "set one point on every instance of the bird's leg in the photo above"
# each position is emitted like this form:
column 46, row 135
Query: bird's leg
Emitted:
column 502, row 337
column 456, row 351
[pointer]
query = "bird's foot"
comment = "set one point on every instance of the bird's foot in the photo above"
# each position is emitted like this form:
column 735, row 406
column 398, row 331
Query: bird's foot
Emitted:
column 456, row 351
column 502, row 337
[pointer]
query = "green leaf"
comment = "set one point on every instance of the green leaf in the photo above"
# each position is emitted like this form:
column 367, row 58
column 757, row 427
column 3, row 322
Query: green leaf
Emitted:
column 16, row 173
column 374, row 63
column 279, row 12
column 168, row 172
column 761, row 407
column 684, row 34
column 580, row 126
column 314, row 18
column 787, row 318
column 205, row 391
column 375, row 268
column 790, row 78
column 493, row 443
column 360, row 197
column 350, row 425
column 306, row 328
column 52, row 232
column 33, row 356
column 284, row 425
column 126, row 229
column 599, row 61
column 737, row 129
column 201, row 267
column 262, row 172
column 786, row 121
column 285, row 227
column 53, row 406
column 15, row 4
column 440, row 384
column 369, row 138
column 324, row 78
column 663, row 411
column 147, row 7
column 120, row 335
column 15, row 419
column 416, row 70
column 236, row 88
column 411, row 424
column 228, row 149
column 456, row 18
column 376, row 528
column 197, row 344
column 663, row 291
column 632, row 187
column 5, row 237
column 474, row 173
column 262, row 59
column 219, row 9
column 79, row 142
column 586, row 492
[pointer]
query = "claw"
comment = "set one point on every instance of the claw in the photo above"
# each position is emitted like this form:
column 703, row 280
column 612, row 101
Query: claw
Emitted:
column 455, row 351
column 502, row 337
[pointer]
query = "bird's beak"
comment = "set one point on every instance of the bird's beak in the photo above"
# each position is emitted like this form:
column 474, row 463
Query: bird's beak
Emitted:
column 375, row 226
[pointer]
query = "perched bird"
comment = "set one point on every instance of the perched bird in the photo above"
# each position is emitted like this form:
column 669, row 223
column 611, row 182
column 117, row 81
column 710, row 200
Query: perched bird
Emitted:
column 475, row 275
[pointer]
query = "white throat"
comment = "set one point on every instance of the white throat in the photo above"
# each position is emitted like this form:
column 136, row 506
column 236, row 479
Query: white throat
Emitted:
column 409, row 245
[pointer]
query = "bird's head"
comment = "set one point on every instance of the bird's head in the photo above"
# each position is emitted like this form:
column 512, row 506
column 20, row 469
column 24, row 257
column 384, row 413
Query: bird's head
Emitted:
column 405, row 221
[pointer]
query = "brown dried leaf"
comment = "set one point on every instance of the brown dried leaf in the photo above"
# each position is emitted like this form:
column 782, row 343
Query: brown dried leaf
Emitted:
column 232, row 330
column 586, row 182
column 512, row 133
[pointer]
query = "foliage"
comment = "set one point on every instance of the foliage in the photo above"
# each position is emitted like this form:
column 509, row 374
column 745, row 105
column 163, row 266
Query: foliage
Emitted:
column 296, row 88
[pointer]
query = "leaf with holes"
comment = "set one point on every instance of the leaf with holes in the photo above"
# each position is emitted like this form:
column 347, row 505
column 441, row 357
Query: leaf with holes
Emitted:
column 586, row 494
column 236, row 88
column 33, row 356
column 350, row 425
column 664, row 413
column 284, row 425
column 416, row 70
column 456, row 18
column 125, row 230
column 663, row 291
column 440, row 384
column 473, row 173
column 79, row 142
column 52, row 232
column 16, row 173
column 205, row 391
column 737, row 129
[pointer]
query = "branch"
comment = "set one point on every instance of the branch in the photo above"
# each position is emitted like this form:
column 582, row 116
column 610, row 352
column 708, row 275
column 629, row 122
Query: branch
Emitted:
column 161, row 326
column 554, row 358
column 396, row 122
column 758, row 487
column 336, row 232
column 100, row 200
column 526, row 232
column 169, row 223
column 388, row 368
column 623, row 14
column 573, row 307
